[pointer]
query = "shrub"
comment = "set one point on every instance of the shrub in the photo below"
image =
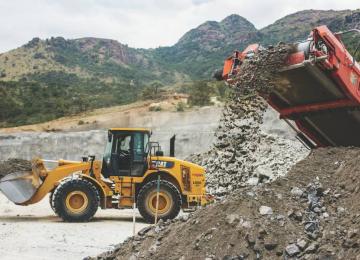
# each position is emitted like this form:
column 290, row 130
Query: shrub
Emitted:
column 200, row 93
column 180, row 107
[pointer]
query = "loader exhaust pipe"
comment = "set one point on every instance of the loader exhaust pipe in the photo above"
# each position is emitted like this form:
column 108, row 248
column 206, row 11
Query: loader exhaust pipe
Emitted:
column 172, row 146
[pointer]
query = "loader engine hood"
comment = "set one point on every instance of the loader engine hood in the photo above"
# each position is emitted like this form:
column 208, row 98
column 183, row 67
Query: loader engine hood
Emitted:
column 171, row 162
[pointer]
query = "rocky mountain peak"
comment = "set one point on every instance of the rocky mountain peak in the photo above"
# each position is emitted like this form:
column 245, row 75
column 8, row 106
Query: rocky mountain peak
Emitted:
column 238, row 22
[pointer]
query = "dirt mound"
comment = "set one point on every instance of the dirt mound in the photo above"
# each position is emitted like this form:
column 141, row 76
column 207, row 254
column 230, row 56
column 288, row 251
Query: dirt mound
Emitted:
column 14, row 165
column 312, row 213
column 243, row 153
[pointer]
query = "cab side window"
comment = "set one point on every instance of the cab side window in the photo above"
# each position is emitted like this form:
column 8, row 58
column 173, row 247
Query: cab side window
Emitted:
column 138, row 147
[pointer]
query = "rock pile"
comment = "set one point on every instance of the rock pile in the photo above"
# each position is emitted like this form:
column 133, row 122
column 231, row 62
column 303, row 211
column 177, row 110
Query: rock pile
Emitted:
column 243, row 152
column 14, row 165
column 312, row 213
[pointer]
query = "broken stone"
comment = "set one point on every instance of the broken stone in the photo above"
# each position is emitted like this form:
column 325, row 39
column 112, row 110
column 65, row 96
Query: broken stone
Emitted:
column 133, row 257
column 184, row 218
column 232, row 219
column 270, row 244
column 265, row 210
column 292, row 250
column 301, row 243
column 340, row 210
column 297, row 192
column 298, row 215
column 311, row 248
column 143, row 231
column 246, row 224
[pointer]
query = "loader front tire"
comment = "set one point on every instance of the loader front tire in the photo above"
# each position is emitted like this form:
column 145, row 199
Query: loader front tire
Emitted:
column 76, row 200
column 170, row 201
column 51, row 201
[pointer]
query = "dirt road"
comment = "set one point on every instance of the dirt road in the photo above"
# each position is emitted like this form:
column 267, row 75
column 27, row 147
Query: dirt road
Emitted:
column 34, row 232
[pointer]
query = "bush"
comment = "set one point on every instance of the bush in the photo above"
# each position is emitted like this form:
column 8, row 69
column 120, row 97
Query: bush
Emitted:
column 200, row 93
column 155, row 108
column 151, row 92
column 180, row 107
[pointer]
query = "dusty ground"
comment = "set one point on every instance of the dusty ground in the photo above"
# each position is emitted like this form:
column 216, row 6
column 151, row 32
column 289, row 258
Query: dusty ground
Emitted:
column 312, row 213
column 116, row 116
column 35, row 233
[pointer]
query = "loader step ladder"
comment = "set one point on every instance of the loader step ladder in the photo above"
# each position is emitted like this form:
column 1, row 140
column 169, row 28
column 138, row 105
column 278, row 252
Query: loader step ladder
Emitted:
column 127, row 193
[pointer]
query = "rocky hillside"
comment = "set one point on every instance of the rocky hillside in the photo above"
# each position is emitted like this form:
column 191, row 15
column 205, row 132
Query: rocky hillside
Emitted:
column 102, row 59
column 296, row 27
column 201, row 50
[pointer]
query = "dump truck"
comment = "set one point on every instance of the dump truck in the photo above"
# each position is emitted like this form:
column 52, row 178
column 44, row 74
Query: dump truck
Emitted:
column 319, row 88
column 133, row 171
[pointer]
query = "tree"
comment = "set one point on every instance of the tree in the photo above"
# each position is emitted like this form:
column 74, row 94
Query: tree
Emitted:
column 156, row 86
column 151, row 92
column 200, row 93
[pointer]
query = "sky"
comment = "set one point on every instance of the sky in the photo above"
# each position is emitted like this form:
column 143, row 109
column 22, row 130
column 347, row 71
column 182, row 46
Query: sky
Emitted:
column 138, row 23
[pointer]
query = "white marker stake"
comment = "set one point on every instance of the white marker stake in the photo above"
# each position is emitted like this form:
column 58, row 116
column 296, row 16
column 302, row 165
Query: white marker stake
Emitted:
column 157, row 199
column 134, row 218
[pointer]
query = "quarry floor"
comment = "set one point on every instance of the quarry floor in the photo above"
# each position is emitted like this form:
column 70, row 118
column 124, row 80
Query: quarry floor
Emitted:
column 35, row 232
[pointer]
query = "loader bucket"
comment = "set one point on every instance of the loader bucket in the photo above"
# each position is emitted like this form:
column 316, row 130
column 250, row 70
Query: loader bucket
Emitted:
column 19, row 187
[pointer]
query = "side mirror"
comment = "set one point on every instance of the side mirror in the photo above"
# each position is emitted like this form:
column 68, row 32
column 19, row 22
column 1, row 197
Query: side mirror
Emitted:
column 109, row 136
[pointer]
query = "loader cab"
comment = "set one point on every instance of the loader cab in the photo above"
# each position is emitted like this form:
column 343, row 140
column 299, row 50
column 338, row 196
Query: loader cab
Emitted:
column 126, row 152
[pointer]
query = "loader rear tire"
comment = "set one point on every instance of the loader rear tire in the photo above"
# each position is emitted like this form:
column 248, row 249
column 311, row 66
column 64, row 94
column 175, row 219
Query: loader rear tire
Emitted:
column 76, row 200
column 170, row 201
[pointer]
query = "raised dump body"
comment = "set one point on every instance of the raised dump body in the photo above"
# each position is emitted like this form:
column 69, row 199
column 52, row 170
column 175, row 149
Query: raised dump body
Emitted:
column 319, row 89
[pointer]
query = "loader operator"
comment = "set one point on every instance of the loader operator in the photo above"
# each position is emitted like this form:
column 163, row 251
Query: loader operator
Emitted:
column 123, row 150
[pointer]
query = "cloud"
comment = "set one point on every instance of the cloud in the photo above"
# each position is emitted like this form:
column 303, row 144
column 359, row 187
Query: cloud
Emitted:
column 138, row 23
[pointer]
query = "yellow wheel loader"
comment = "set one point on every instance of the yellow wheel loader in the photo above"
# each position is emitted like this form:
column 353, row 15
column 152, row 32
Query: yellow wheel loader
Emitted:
column 133, row 171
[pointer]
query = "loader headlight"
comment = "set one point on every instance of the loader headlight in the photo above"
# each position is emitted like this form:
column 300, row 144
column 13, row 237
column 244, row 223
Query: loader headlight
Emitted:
column 185, row 176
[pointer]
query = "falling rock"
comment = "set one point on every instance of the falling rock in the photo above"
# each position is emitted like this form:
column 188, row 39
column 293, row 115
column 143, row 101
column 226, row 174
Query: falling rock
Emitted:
column 265, row 210
column 340, row 209
column 253, row 181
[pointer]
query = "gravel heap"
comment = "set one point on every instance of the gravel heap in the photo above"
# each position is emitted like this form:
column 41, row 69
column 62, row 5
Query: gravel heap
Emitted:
column 243, row 152
column 14, row 165
column 312, row 213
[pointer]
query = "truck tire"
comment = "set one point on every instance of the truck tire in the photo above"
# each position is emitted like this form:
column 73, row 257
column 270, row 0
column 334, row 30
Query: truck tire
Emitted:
column 51, row 201
column 170, row 201
column 76, row 200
